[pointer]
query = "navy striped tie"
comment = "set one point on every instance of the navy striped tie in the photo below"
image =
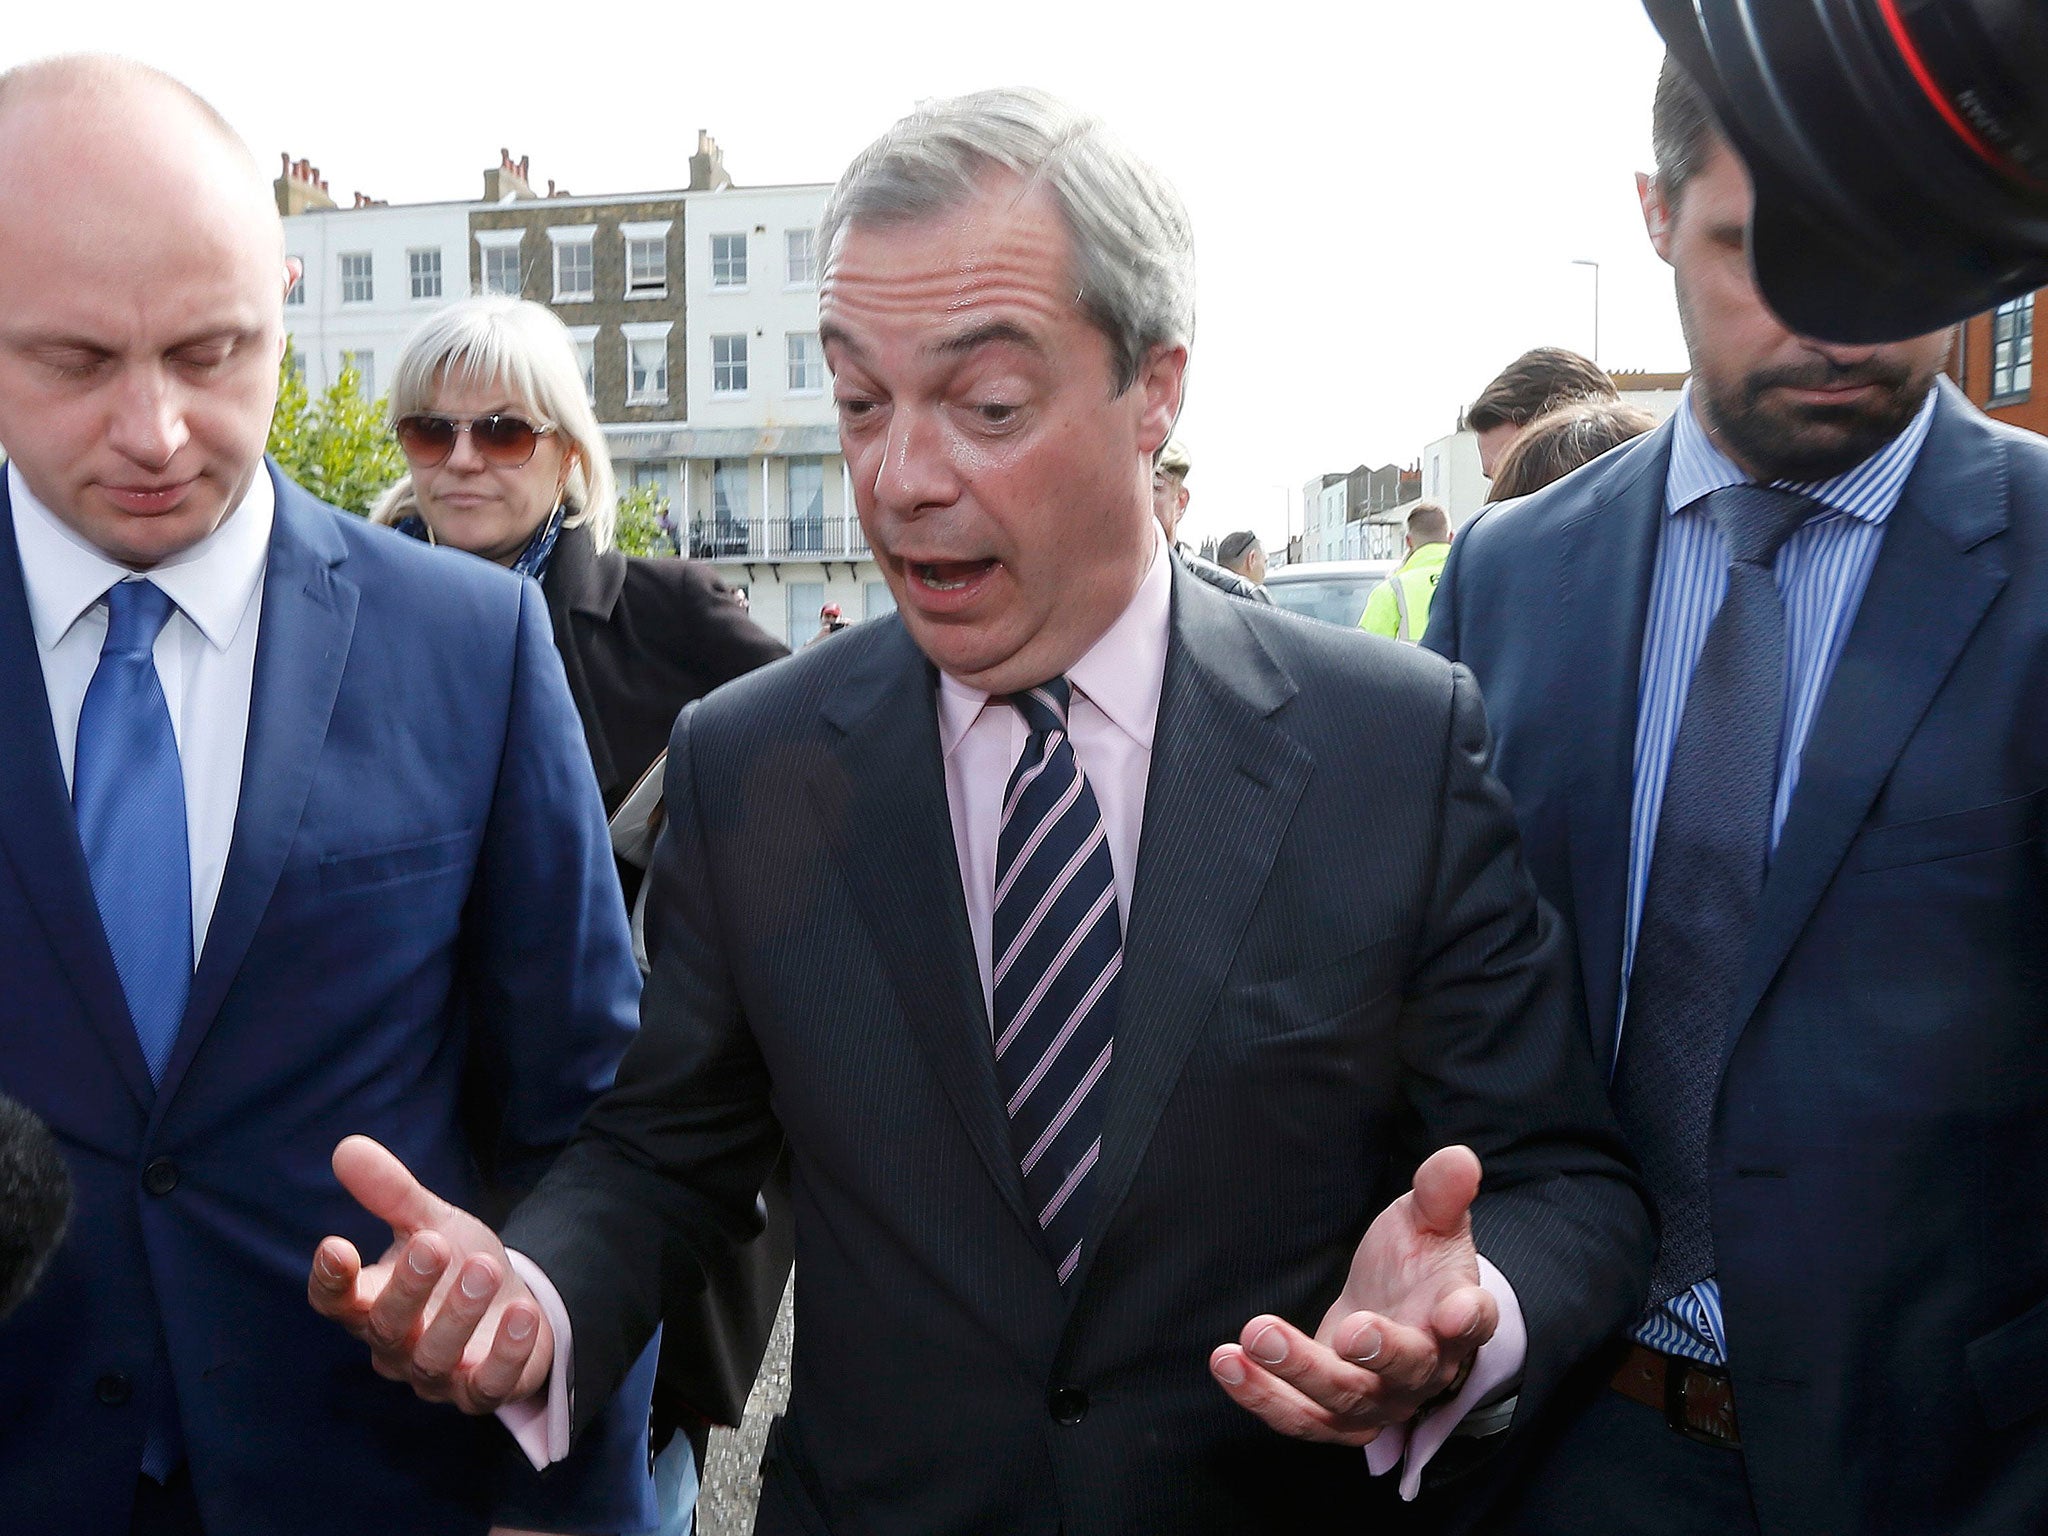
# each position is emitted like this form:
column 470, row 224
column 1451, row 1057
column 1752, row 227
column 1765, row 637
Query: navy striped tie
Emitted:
column 1057, row 953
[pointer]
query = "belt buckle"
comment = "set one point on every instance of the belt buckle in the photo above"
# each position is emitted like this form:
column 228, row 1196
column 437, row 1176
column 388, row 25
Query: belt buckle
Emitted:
column 1703, row 1425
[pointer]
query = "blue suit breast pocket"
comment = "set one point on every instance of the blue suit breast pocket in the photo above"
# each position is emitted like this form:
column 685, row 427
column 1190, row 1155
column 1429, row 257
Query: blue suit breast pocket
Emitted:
column 372, row 868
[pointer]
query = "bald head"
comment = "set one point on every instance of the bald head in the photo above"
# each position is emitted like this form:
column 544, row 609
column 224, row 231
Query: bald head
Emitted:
column 141, row 286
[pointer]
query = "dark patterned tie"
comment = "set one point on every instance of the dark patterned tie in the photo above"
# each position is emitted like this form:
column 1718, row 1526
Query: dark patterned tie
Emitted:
column 1706, row 873
column 1057, row 951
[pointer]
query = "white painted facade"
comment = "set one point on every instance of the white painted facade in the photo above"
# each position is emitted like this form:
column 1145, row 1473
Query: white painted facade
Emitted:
column 1451, row 476
column 329, row 320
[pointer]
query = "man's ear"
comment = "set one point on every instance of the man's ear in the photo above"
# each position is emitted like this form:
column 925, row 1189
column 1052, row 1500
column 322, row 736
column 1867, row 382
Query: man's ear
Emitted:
column 1161, row 379
column 1657, row 213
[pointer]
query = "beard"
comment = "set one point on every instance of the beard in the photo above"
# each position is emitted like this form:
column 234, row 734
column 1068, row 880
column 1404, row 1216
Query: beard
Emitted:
column 1781, row 439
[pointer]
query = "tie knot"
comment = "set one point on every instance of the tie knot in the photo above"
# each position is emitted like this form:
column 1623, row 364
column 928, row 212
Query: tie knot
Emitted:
column 1756, row 520
column 136, row 614
column 1044, row 708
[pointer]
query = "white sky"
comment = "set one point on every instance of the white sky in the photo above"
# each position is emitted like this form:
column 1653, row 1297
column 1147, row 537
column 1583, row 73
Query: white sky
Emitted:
column 1387, row 194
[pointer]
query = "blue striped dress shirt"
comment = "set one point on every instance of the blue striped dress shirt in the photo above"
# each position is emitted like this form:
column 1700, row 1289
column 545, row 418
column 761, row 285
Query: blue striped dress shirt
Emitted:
column 1821, row 573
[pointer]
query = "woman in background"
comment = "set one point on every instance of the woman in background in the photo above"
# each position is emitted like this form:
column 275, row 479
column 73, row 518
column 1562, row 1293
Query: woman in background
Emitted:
column 1564, row 438
column 508, row 463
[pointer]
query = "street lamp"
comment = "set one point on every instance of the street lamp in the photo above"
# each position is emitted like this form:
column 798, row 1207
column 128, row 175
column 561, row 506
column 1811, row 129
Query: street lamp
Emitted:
column 1582, row 262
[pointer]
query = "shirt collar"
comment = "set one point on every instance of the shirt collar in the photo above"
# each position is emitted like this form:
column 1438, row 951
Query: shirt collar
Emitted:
column 1122, row 674
column 211, row 582
column 1870, row 491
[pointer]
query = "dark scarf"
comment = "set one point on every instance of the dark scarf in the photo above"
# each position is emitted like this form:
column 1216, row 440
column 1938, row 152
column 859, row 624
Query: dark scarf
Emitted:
column 532, row 561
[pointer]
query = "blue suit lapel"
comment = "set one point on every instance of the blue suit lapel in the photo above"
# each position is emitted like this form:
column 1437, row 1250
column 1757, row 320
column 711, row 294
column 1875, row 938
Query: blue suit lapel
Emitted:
column 1607, row 556
column 302, row 644
column 1941, row 566
column 38, row 831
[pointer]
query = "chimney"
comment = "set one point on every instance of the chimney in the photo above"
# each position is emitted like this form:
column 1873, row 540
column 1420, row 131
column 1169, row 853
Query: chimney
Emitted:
column 507, row 180
column 299, row 188
column 707, row 166
column 554, row 191
column 364, row 200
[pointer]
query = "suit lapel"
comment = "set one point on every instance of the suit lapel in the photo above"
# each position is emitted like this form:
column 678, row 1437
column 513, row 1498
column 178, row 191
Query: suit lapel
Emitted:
column 1937, row 573
column 1607, row 557
column 1218, row 760
column 39, row 832
column 882, row 800
column 302, row 643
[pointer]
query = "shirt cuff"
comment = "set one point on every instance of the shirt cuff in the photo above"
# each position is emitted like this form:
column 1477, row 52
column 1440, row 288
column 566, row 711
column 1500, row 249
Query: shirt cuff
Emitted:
column 1499, row 1362
column 541, row 1423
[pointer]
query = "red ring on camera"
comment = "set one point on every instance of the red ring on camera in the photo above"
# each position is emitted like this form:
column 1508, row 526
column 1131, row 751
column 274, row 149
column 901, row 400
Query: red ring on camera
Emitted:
column 1930, row 87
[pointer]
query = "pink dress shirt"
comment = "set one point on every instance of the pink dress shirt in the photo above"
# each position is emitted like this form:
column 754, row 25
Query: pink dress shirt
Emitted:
column 1115, row 709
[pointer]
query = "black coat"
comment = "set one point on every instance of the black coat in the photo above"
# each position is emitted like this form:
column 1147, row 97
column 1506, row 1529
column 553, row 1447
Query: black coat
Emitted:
column 1359, row 974
column 640, row 639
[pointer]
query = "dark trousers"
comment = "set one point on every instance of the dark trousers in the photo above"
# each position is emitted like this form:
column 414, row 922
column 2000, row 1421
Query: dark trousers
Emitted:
column 166, row 1509
column 1619, row 1470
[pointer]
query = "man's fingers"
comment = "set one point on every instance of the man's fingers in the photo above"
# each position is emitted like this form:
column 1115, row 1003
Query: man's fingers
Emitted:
column 495, row 1380
column 1407, row 1363
column 442, row 1343
column 384, row 1186
column 395, row 1314
column 1280, row 1404
column 1465, row 1319
column 1399, row 1375
column 1445, row 1187
column 331, row 1283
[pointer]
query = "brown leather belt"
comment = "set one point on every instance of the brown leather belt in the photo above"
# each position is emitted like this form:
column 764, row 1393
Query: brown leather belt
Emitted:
column 1696, row 1400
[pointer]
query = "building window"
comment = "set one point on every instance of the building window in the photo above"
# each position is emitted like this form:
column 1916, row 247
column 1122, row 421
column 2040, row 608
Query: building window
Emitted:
column 364, row 366
column 806, row 363
column 730, row 512
column 585, row 338
column 804, row 500
column 729, row 365
column 424, row 269
column 877, row 600
column 805, row 599
column 646, row 259
column 296, row 294
column 575, row 264
column 728, row 261
column 646, row 363
column 357, row 285
column 2012, row 349
column 803, row 257
column 295, row 364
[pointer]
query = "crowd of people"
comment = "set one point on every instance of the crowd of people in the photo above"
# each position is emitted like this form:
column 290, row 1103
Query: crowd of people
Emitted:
column 1583, row 1072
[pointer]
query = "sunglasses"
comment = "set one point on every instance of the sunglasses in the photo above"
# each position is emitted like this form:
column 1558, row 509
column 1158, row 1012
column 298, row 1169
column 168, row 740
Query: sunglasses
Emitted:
column 504, row 442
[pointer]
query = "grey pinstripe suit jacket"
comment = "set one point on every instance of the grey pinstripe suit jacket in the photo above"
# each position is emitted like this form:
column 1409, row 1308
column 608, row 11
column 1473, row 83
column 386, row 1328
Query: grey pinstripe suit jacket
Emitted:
column 1334, row 963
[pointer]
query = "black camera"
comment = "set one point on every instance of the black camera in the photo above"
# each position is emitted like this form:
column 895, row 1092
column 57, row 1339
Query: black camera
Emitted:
column 1899, row 150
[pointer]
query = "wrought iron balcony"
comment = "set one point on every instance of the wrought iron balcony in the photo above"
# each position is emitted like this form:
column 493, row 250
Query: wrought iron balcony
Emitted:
column 777, row 538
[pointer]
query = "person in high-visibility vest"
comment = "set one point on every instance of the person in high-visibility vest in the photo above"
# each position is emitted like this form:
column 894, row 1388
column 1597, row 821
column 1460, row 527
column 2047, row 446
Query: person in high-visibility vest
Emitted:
column 1399, row 607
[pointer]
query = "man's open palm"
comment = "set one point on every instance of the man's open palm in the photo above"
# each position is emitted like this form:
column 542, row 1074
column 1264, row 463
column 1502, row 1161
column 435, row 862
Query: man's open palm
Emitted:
column 442, row 1309
column 1403, row 1330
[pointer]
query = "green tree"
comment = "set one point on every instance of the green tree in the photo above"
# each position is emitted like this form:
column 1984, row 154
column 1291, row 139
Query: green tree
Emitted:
column 338, row 447
column 643, row 529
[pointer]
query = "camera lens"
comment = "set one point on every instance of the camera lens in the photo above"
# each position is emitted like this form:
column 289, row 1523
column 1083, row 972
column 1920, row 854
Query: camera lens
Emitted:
column 1899, row 150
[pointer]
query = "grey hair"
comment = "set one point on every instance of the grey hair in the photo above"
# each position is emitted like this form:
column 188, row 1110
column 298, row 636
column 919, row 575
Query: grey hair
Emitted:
column 497, row 339
column 1134, row 254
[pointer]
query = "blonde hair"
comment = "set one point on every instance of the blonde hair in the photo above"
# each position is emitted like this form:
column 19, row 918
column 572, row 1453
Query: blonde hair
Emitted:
column 521, row 345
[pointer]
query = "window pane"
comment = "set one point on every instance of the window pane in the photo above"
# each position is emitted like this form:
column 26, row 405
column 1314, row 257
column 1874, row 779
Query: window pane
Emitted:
column 649, row 368
column 425, row 271
column 646, row 266
column 357, row 286
column 728, row 261
column 364, row 366
column 586, row 354
column 878, row 600
column 728, row 365
column 806, row 361
column 501, row 269
column 575, row 272
column 805, row 599
column 803, row 255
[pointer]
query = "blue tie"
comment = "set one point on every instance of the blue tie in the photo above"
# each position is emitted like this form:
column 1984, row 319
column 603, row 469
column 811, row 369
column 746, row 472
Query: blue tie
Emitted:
column 1707, row 866
column 129, row 794
column 1057, row 945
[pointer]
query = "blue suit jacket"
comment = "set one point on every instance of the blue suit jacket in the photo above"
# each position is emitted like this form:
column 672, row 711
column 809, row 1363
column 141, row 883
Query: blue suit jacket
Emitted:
column 419, row 936
column 1880, row 1138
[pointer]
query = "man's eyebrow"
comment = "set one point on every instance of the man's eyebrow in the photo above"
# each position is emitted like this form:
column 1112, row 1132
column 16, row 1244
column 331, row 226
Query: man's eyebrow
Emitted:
column 985, row 335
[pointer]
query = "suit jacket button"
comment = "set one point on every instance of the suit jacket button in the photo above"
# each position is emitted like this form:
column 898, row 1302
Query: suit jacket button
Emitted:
column 113, row 1389
column 161, row 1176
column 1068, row 1405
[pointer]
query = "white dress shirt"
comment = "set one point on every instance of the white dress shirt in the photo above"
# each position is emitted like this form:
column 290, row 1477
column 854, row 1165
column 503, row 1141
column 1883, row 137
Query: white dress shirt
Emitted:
column 1116, row 688
column 205, row 655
